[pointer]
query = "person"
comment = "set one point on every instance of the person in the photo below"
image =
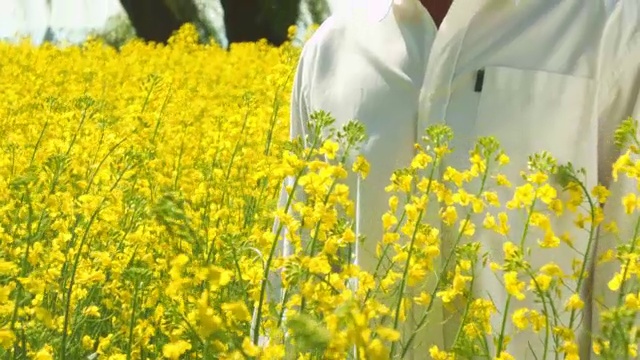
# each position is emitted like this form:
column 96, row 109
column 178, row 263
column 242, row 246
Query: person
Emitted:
column 554, row 75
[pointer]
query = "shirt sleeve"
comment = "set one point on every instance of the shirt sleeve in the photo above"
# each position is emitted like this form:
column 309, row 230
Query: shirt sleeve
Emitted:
column 618, row 99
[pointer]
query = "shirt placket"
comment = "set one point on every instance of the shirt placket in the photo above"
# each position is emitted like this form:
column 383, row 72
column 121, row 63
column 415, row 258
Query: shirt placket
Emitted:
column 435, row 94
column 434, row 100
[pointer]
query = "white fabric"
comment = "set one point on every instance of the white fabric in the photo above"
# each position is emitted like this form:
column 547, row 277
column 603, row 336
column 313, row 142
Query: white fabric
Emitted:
column 560, row 75
column 23, row 18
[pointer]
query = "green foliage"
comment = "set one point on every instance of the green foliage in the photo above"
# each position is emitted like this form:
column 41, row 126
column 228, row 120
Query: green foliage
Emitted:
column 318, row 10
column 118, row 31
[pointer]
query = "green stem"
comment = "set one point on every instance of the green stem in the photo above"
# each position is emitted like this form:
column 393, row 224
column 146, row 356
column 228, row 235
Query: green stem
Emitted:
column 35, row 148
column 379, row 264
column 425, row 316
column 75, row 134
column 313, row 242
column 621, row 294
column 546, row 314
column 158, row 120
column 67, row 305
column 403, row 282
column 267, row 266
column 23, row 270
column 467, row 306
column 285, row 298
column 132, row 321
column 509, row 296
column 592, row 230
column 407, row 263
column 179, row 165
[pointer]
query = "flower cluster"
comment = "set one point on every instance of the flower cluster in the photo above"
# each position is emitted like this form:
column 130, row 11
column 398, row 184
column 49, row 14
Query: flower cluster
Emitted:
column 136, row 189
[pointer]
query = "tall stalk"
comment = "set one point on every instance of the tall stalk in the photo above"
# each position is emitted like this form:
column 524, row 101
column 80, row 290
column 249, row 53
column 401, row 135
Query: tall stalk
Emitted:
column 274, row 245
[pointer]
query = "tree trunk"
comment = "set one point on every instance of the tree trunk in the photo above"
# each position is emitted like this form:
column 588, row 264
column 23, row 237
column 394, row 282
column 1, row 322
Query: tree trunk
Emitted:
column 252, row 20
column 152, row 19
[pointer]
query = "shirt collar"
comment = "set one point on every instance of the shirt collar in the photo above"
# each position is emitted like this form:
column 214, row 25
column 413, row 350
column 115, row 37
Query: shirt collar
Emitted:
column 377, row 10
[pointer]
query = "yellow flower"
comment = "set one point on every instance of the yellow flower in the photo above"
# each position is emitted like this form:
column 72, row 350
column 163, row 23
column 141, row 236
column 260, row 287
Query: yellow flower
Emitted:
column 492, row 198
column 632, row 302
column 570, row 350
column 519, row 318
column 329, row 148
column 388, row 220
column 620, row 163
column 453, row 175
column 45, row 353
column 565, row 334
column 510, row 250
column 449, row 215
column 437, row 354
column 478, row 164
column 540, row 220
column 547, row 194
column 502, row 180
column 550, row 240
column 537, row 178
column 462, row 197
column 601, row 193
column 615, row 283
column 504, row 227
column 489, row 221
column 467, row 228
column 551, row 269
column 348, row 236
column 361, row 166
column 174, row 350
column 542, row 281
column 91, row 311
column 249, row 349
column 611, row 227
column 393, row 203
column 574, row 303
column 388, row 334
column 472, row 330
column 503, row 159
column 8, row 268
column 319, row 265
column 537, row 320
column 630, row 203
column 421, row 160
column 477, row 205
column 513, row 285
column 237, row 310
column 390, row 238
column 218, row 276
column 576, row 197
column 87, row 342
column 412, row 212
column 7, row 337
column 523, row 197
column 423, row 299
column 504, row 356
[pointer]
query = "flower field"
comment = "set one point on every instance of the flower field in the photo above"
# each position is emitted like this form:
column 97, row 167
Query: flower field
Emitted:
column 139, row 190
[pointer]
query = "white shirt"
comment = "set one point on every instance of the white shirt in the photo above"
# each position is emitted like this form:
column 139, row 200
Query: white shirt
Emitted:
column 559, row 75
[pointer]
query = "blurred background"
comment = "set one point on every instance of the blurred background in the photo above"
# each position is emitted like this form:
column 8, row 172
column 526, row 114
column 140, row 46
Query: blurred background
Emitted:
column 116, row 21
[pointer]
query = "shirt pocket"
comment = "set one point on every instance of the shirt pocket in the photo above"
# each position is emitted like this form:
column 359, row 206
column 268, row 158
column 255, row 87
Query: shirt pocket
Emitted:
column 531, row 111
